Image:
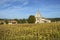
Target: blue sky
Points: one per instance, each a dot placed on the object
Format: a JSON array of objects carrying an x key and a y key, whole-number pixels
[{"x": 12, "y": 9}]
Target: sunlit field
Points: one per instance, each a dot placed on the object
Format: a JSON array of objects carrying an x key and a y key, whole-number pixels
[{"x": 45, "y": 31}]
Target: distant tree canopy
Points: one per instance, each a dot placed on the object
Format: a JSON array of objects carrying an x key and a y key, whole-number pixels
[
  {"x": 6, "y": 21},
  {"x": 18, "y": 21},
  {"x": 54, "y": 19},
  {"x": 21, "y": 20},
  {"x": 31, "y": 19}
]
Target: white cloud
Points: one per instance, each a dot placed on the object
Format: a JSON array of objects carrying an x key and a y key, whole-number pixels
[
  {"x": 25, "y": 3},
  {"x": 9, "y": 3}
]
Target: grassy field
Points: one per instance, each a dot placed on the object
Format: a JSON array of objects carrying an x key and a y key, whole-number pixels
[{"x": 46, "y": 31}]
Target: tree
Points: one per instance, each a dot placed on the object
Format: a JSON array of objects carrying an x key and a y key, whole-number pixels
[
  {"x": 6, "y": 21},
  {"x": 18, "y": 21},
  {"x": 31, "y": 19},
  {"x": 23, "y": 20}
]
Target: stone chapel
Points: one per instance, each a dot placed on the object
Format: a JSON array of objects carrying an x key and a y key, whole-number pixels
[{"x": 40, "y": 19}]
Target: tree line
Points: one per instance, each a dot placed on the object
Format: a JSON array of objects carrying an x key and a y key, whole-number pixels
[
  {"x": 31, "y": 19},
  {"x": 54, "y": 19}
]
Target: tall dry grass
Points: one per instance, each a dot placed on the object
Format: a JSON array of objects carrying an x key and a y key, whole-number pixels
[{"x": 45, "y": 31}]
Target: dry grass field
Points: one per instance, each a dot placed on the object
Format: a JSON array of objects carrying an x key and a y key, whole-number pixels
[{"x": 46, "y": 31}]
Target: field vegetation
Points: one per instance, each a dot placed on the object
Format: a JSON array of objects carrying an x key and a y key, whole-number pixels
[{"x": 45, "y": 31}]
